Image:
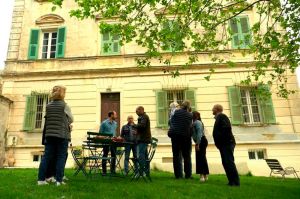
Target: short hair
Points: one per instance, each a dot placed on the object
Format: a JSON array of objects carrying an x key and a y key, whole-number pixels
[
  {"x": 174, "y": 105},
  {"x": 218, "y": 107},
  {"x": 186, "y": 104},
  {"x": 110, "y": 113},
  {"x": 129, "y": 117},
  {"x": 58, "y": 92},
  {"x": 140, "y": 107},
  {"x": 196, "y": 115}
]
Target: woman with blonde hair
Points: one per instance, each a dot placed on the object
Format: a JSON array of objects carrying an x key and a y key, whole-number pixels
[{"x": 57, "y": 131}]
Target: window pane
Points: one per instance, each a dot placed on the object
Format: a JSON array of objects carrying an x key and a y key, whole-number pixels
[
  {"x": 260, "y": 155},
  {"x": 54, "y": 35},
  {"x": 106, "y": 37},
  {"x": 53, "y": 48},
  {"x": 234, "y": 26},
  {"x": 116, "y": 37},
  {"x": 116, "y": 47},
  {"x": 46, "y": 35},
  {"x": 44, "y": 55},
  {"x": 45, "y": 49},
  {"x": 45, "y": 42},
  {"x": 39, "y": 112},
  {"x": 251, "y": 155},
  {"x": 52, "y": 55},
  {"x": 244, "y": 25}
]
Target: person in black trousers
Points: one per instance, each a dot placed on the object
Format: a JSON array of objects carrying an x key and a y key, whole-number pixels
[
  {"x": 225, "y": 142},
  {"x": 180, "y": 133},
  {"x": 200, "y": 147}
]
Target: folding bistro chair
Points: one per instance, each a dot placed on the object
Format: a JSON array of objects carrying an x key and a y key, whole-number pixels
[
  {"x": 146, "y": 169},
  {"x": 276, "y": 168},
  {"x": 79, "y": 159}
]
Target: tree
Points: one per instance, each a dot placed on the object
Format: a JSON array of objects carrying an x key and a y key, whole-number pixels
[{"x": 168, "y": 27}]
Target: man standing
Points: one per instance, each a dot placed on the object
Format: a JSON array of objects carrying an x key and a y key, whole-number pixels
[
  {"x": 180, "y": 133},
  {"x": 128, "y": 132},
  {"x": 225, "y": 142},
  {"x": 109, "y": 127},
  {"x": 144, "y": 138}
]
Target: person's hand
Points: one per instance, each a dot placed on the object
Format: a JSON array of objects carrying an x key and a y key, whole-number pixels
[{"x": 197, "y": 147}]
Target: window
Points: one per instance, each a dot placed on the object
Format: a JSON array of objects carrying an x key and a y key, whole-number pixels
[
  {"x": 49, "y": 45},
  {"x": 53, "y": 44},
  {"x": 35, "y": 111},
  {"x": 172, "y": 37},
  {"x": 257, "y": 154},
  {"x": 110, "y": 44},
  {"x": 163, "y": 100},
  {"x": 37, "y": 158},
  {"x": 240, "y": 30},
  {"x": 248, "y": 108}
]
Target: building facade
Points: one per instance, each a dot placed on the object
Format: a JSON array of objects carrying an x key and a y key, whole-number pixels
[{"x": 50, "y": 48}]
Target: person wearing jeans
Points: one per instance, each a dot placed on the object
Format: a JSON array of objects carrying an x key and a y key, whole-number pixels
[
  {"x": 128, "y": 132},
  {"x": 144, "y": 138},
  {"x": 57, "y": 131}
]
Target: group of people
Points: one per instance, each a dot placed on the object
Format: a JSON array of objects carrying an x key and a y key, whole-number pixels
[
  {"x": 138, "y": 136},
  {"x": 185, "y": 126},
  {"x": 57, "y": 136}
]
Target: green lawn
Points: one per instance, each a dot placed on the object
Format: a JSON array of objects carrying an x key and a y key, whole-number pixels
[{"x": 21, "y": 183}]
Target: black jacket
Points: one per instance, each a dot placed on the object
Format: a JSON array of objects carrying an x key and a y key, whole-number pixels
[
  {"x": 181, "y": 123},
  {"x": 143, "y": 128},
  {"x": 222, "y": 132}
]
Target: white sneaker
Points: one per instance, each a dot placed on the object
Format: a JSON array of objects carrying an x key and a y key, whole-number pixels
[
  {"x": 202, "y": 179},
  {"x": 51, "y": 180},
  {"x": 65, "y": 178},
  {"x": 60, "y": 183},
  {"x": 42, "y": 183}
]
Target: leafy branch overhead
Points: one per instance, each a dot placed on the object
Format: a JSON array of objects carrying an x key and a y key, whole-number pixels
[{"x": 265, "y": 30}]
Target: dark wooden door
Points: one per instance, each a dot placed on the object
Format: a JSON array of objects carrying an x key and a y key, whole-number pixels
[{"x": 110, "y": 102}]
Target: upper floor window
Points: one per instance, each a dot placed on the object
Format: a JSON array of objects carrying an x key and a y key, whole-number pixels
[
  {"x": 172, "y": 39},
  {"x": 35, "y": 111},
  {"x": 49, "y": 45},
  {"x": 248, "y": 108},
  {"x": 240, "y": 29},
  {"x": 165, "y": 97},
  {"x": 110, "y": 44}
]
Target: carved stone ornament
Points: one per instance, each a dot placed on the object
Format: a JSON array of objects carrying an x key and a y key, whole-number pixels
[{"x": 49, "y": 19}]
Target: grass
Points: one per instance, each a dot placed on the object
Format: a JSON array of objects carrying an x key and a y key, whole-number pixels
[{"x": 21, "y": 183}]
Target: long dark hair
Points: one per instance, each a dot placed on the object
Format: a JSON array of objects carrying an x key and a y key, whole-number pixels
[{"x": 197, "y": 116}]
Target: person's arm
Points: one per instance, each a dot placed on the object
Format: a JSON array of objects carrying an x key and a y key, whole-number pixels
[
  {"x": 143, "y": 123},
  {"x": 122, "y": 131},
  {"x": 199, "y": 132},
  {"x": 102, "y": 128},
  {"x": 69, "y": 114}
]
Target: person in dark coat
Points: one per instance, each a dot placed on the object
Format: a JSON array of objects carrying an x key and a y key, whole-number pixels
[
  {"x": 200, "y": 147},
  {"x": 180, "y": 133},
  {"x": 225, "y": 142},
  {"x": 143, "y": 138},
  {"x": 56, "y": 137}
]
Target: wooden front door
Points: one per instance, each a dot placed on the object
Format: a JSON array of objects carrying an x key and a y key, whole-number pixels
[{"x": 110, "y": 102}]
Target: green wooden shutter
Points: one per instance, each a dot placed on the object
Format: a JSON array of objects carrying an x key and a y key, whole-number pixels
[
  {"x": 267, "y": 108},
  {"x": 162, "y": 109},
  {"x": 234, "y": 96},
  {"x": 235, "y": 33},
  {"x": 106, "y": 44},
  {"x": 61, "y": 42},
  {"x": 190, "y": 95},
  {"x": 245, "y": 31},
  {"x": 33, "y": 47},
  {"x": 115, "y": 44},
  {"x": 30, "y": 113}
]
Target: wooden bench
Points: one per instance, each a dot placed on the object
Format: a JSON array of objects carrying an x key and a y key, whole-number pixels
[{"x": 276, "y": 168}]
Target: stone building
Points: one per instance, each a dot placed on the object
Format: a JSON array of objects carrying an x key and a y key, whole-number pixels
[{"x": 47, "y": 49}]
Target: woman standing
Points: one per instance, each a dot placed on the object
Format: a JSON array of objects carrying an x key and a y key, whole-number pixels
[
  {"x": 201, "y": 145},
  {"x": 57, "y": 135}
]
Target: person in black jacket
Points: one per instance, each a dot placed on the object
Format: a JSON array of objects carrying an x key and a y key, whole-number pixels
[
  {"x": 225, "y": 142},
  {"x": 180, "y": 133}
]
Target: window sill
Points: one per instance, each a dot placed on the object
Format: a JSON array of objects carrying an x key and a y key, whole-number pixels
[
  {"x": 33, "y": 131},
  {"x": 254, "y": 125}
]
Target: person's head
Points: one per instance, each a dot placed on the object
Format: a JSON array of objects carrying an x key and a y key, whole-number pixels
[
  {"x": 140, "y": 110},
  {"x": 196, "y": 116},
  {"x": 174, "y": 105},
  {"x": 58, "y": 93},
  {"x": 112, "y": 115},
  {"x": 217, "y": 109},
  {"x": 130, "y": 119},
  {"x": 186, "y": 105}
]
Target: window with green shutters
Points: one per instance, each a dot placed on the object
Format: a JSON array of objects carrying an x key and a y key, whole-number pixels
[
  {"x": 172, "y": 38},
  {"x": 241, "y": 34},
  {"x": 248, "y": 108},
  {"x": 110, "y": 44},
  {"x": 53, "y": 44},
  {"x": 35, "y": 111},
  {"x": 163, "y": 100}
]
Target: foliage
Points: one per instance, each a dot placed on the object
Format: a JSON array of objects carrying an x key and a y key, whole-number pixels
[{"x": 166, "y": 27}]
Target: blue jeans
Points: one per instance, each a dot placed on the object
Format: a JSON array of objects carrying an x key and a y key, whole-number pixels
[
  {"x": 55, "y": 148},
  {"x": 128, "y": 148},
  {"x": 143, "y": 156}
]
